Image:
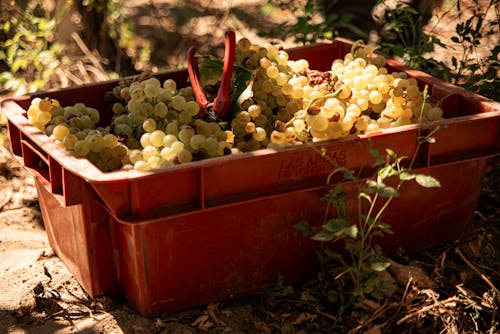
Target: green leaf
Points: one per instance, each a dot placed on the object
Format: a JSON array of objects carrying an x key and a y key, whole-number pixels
[
  {"x": 6, "y": 26},
  {"x": 380, "y": 188},
  {"x": 324, "y": 236},
  {"x": 242, "y": 82},
  {"x": 348, "y": 174},
  {"x": 430, "y": 140},
  {"x": 427, "y": 181},
  {"x": 380, "y": 266},
  {"x": 405, "y": 176},
  {"x": 304, "y": 227},
  {"x": 19, "y": 63},
  {"x": 210, "y": 70},
  {"x": 374, "y": 153},
  {"x": 45, "y": 24},
  {"x": 365, "y": 196},
  {"x": 386, "y": 171},
  {"x": 335, "y": 225},
  {"x": 391, "y": 153}
]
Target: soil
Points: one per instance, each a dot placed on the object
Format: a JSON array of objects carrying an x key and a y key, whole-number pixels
[{"x": 454, "y": 287}]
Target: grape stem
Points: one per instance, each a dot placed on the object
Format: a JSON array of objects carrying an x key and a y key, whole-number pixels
[
  {"x": 355, "y": 46},
  {"x": 313, "y": 101}
]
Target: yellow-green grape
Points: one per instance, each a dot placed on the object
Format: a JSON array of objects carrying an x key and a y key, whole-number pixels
[
  {"x": 376, "y": 97},
  {"x": 434, "y": 114},
  {"x": 383, "y": 122},
  {"x": 43, "y": 117},
  {"x": 135, "y": 155},
  {"x": 137, "y": 94},
  {"x": 161, "y": 110},
  {"x": 197, "y": 141},
  {"x": 272, "y": 72},
  {"x": 141, "y": 166},
  {"x": 156, "y": 138},
  {"x": 254, "y": 111},
  {"x": 372, "y": 127},
  {"x": 145, "y": 139},
  {"x": 177, "y": 147},
  {"x": 362, "y": 123},
  {"x": 278, "y": 137},
  {"x": 149, "y": 125},
  {"x": 154, "y": 162},
  {"x": 172, "y": 128},
  {"x": 212, "y": 147},
  {"x": 60, "y": 131},
  {"x": 192, "y": 108},
  {"x": 81, "y": 148},
  {"x": 259, "y": 134},
  {"x": 149, "y": 151},
  {"x": 250, "y": 127},
  {"x": 45, "y": 105},
  {"x": 334, "y": 130},
  {"x": 299, "y": 125},
  {"x": 95, "y": 141},
  {"x": 243, "y": 44},
  {"x": 178, "y": 102},
  {"x": 168, "y": 140},
  {"x": 69, "y": 141},
  {"x": 185, "y": 156},
  {"x": 123, "y": 130},
  {"x": 185, "y": 134},
  {"x": 167, "y": 153}
]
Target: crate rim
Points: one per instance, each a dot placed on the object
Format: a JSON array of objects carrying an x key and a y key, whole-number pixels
[{"x": 93, "y": 174}]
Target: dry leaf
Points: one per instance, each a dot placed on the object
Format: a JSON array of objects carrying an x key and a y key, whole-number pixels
[
  {"x": 402, "y": 274},
  {"x": 203, "y": 322}
]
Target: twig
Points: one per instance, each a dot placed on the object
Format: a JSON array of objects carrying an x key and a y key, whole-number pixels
[
  {"x": 73, "y": 77},
  {"x": 446, "y": 303},
  {"x": 316, "y": 309},
  {"x": 63, "y": 79},
  {"x": 83, "y": 72},
  {"x": 87, "y": 52},
  {"x": 486, "y": 279},
  {"x": 99, "y": 75}
]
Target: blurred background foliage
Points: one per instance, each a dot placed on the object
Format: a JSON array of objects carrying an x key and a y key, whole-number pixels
[{"x": 60, "y": 43}]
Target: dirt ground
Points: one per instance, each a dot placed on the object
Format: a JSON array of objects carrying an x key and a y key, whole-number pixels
[{"x": 39, "y": 295}]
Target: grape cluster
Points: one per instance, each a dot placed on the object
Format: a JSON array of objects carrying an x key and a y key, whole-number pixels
[
  {"x": 75, "y": 128},
  {"x": 159, "y": 124},
  {"x": 292, "y": 103},
  {"x": 156, "y": 125}
]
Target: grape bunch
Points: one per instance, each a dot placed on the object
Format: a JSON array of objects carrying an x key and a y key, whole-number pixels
[
  {"x": 157, "y": 125},
  {"x": 292, "y": 103},
  {"x": 75, "y": 128}
]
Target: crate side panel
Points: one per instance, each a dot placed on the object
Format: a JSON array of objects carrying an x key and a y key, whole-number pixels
[
  {"x": 81, "y": 239},
  {"x": 196, "y": 258},
  {"x": 233, "y": 250}
]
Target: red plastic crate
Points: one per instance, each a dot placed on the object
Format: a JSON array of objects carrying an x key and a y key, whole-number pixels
[
  {"x": 80, "y": 236},
  {"x": 177, "y": 261},
  {"x": 283, "y": 187}
]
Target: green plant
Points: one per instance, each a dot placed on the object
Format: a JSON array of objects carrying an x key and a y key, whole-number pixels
[
  {"x": 407, "y": 37},
  {"x": 115, "y": 33},
  {"x": 31, "y": 57},
  {"x": 404, "y": 37},
  {"x": 28, "y": 52},
  {"x": 474, "y": 73},
  {"x": 360, "y": 258},
  {"x": 311, "y": 26}
]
